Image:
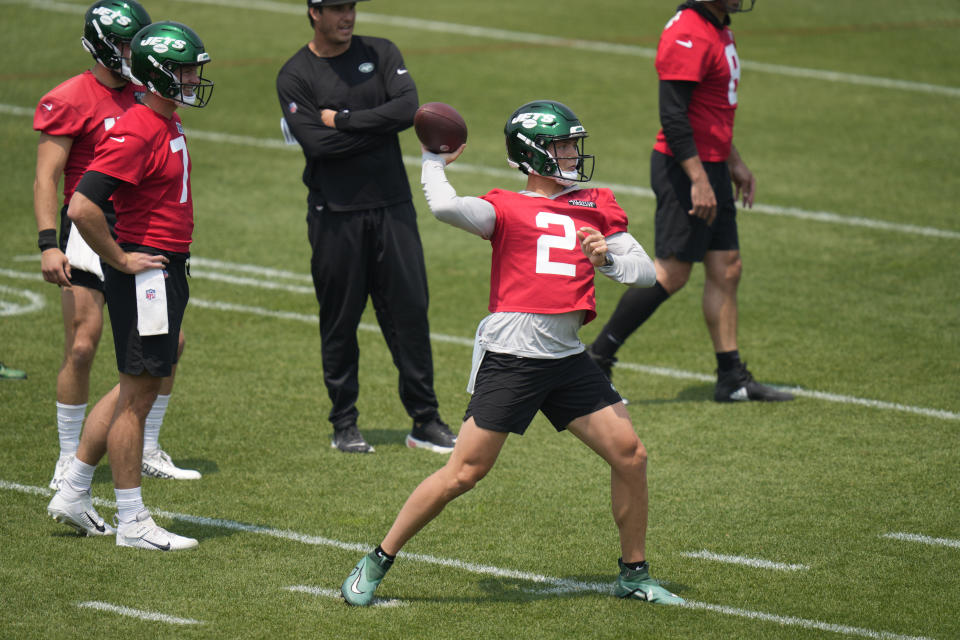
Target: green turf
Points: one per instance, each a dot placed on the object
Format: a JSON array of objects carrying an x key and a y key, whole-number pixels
[{"x": 867, "y": 316}]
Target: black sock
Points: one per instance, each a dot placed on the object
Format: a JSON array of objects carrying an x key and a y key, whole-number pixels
[
  {"x": 635, "y": 306},
  {"x": 636, "y": 566},
  {"x": 383, "y": 554},
  {"x": 728, "y": 360}
]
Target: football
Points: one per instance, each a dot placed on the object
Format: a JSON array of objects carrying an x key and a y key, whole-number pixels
[{"x": 439, "y": 127}]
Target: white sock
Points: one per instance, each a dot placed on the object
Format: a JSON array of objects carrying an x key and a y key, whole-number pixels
[
  {"x": 129, "y": 504},
  {"x": 77, "y": 479},
  {"x": 151, "y": 429},
  {"x": 69, "y": 425}
]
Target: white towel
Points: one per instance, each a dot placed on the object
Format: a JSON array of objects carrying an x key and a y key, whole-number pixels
[
  {"x": 81, "y": 256},
  {"x": 152, "y": 303}
]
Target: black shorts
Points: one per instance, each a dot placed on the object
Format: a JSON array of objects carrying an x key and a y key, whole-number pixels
[
  {"x": 679, "y": 234},
  {"x": 85, "y": 279},
  {"x": 509, "y": 390},
  {"x": 137, "y": 354},
  {"x": 79, "y": 277}
]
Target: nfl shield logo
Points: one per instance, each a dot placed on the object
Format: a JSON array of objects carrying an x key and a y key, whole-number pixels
[
  {"x": 151, "y": 294},
  {"x": 292, "y": 107}
]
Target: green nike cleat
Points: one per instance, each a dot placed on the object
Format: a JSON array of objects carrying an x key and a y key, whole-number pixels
[
  {"x": 638, "y": 585},
  {"x": 359, "y": 586},
  {"x": 6, "y": 373}
]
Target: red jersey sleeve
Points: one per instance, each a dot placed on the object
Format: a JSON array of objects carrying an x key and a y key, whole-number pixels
[
  {"x": 123, "y": 155},
  {"x": 56, "y": 117}
]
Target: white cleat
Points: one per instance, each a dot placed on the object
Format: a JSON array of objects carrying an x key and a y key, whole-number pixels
[
  {"x": 63, "y": 463},
  {"x": 144, "y": 533},
  {"x": 79, "y": 514},
  {"x": 157, "y": 464}
]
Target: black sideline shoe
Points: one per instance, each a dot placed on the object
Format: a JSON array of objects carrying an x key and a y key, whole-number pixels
[
  {"x": 349, "y": 440},
  {"x": 433, "y": 435}
]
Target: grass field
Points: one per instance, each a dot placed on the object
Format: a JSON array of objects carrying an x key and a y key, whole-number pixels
[{"x": 835, "y": 515}]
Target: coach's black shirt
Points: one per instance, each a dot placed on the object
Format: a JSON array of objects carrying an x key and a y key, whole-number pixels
[{"x": 359, "y": 164}]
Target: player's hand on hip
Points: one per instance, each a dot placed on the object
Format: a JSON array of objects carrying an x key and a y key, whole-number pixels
[
  {"x": 593, "y": 245},
  {"x": 136, "y": 262},
  {"x": 55, "y": 267}
]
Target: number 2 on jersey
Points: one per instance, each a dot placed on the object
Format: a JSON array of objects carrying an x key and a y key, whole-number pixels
[{"x": 546, "y": 242}]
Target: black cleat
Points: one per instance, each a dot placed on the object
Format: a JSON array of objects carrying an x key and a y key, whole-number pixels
[{"x": 738, "y": 385}]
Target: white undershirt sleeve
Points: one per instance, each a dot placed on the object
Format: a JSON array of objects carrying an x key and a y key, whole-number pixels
[
  {"x": 631, "y": 264},
  {"x": 469, "y": 213}
]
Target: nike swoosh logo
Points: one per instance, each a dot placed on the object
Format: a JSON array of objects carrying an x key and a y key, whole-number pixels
[
  {"x": 120, "y": 139},
  {"x": 353, "y": 587},
  {"x": 740, "y": 394},
  {"x": 46, "y": 106},
  {"x": 164, "y": 547},
  {"x": 98, "y": 527},
  {"x": 685, "y": 43},
  {"x": 400, "y": 72}
]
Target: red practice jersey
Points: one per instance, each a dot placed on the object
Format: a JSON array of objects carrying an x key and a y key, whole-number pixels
[
  {"x": 537, "y": 264},
  {"x": 83, "y": 109},
  {"x": 692, "y": 49},
  {"x": 149, "y": 154}
]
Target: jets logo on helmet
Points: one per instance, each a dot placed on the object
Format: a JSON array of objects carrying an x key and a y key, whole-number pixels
[
  {"x": 164, "y": 56},
  {"x": 107, "y": 26},
  {"x": 530, "y": 133},
  {"x": 109, "y": 16},
  {"x": 162, "y": 45}
]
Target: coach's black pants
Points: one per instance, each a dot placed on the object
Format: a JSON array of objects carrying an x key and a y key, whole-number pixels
[{"x": 375, "y": 253}]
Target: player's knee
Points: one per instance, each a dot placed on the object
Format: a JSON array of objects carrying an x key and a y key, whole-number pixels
[
  {"x": 673, "y": 279},
  {"x": 81, "y": 352},
  {"x": 734, "y": 271},
  {"x": 466, "y": 478},
  {"x": 639, "y": 457},
  {"x": 633, "y": 458}
]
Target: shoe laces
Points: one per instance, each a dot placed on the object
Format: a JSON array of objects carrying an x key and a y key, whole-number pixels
[
  {"x": 435, "y": 425},
  {"x": 739, "y": 372}
]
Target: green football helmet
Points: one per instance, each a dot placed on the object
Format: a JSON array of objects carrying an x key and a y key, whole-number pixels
[
  {"x": 107, "y": 25},
  {"x": 531, "y": 130},
  {"x": 159, "y": 54},
  {"x": 734, "y": 7}
]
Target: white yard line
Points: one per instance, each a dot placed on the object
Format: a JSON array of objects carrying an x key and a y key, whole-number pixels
[
  {"x": 757, "y": 563},
  {"x": 577, "y": 44},
  {"x": 211, "y": 270},
  {"x": 658, "y": 371},
  {"x": 915, "y": 537},
  {"x": 136, "y": 613},
  {"x": 643, "y": 192},
  {"x": 561, "y": 584},
  {"x": 334, "y": 594}
]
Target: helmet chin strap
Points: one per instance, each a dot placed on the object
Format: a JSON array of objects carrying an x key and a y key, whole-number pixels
[
  {"x": 127, "y": 73},
  {"x": 566, "y": 178}
]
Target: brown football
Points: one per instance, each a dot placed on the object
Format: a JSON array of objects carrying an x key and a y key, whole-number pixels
[{"x": 439, "y": 127}]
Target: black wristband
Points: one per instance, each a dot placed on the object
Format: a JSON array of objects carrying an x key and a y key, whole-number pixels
[{"x": 47, "y": 239}]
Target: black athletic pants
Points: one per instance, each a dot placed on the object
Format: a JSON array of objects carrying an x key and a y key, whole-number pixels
[{"x": 375, "y": 253}]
